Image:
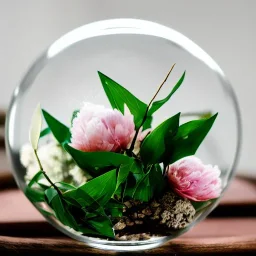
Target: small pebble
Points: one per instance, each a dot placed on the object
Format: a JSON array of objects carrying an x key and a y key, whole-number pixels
[
  {"x": 128, "y": 204},
  {"x": 141, "y": 215},
  {"x": 147, "y": 211},
  {"x": 119, "y": 225}
]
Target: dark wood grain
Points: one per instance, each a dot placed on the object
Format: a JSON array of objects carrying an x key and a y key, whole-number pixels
[
  {"x": 2, "y": 143},
  {"x": 6, "y": 180},
  {"x": 2, "y": 117},
  {"x": 2, "y": 122},
  {"x": 211, "y": 227},
  {"x": 184, "y": 246}
]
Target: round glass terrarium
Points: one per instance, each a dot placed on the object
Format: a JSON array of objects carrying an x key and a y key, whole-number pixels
[{"x": 137, "y": 54}]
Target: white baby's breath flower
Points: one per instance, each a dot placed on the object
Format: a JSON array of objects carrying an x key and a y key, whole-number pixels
[
  {"x": 27, "y": 156},
  {"x": 79, "y": 176},
  {"x": 57, "y": 163}
]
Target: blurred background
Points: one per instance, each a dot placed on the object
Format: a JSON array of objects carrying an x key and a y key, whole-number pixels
[{"x": 223, "y": 28}]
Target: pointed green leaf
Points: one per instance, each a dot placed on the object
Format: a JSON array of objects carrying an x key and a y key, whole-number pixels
[
  {"x": 134, "y": 177},
  {"x": 100, "y": 189},
  {"x": 34, "y": 194},
  {"x": 39, "y": 175},
  {"x": 157, "y": 180},
  {"x": 158, "y": 104},
  {"x": 35, "y": 127},
  {"x": 59, "y": 130},
  {"x": 50, "y": 193},
  {"x": 102, "y": 225},
  {"x": 148, "y": 122},
  {"x": 45, "y": 132},
  {"x": 132, "y": 167},
  {"x": 153, "y": 147},
  {"x": 114, "y": 208},
  {"x": 143, "y": 190},
  {"x": 118, "y": 96},
  {"x": 79, "y": 198},
  {"x": 123, "y": 174},
  {"x": 188, "y": 138},
  {"x": 60, "y": 208},
  {"x": 92, "y": 161},
  {"x": 64, "y": 186},
  {"x": 152, "y": 184}
]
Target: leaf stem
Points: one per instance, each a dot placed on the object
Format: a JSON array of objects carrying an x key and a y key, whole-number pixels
[
  {"x": 45, "y": 175},
  {"x": 146, "y": 113}
]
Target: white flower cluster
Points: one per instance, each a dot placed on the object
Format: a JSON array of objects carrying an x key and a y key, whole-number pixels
[{"x": 57, "y": 163}]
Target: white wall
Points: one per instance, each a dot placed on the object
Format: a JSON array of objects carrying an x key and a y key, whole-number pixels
[{"x": 224, "y": 28}]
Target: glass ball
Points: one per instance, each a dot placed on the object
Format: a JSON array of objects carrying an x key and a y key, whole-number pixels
[{"x": 138, "y": 54}]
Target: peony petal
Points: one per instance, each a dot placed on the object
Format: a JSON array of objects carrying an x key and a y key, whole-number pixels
[
  {"x": 97, "y": 128},
  {"x": 191, "y": 179}
]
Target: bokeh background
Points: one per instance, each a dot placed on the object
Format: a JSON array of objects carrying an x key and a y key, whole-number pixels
[{"x": 224, "y": 28}]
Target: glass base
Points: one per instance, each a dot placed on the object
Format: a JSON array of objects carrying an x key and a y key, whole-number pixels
[
  {"x": 103, "y": 244},
  {"x": 125, "y": 247}
]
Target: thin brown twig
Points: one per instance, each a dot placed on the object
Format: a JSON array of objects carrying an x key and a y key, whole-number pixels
[
  {"x": 146, "y": 113},
  {"x": 160, "y": 86}
]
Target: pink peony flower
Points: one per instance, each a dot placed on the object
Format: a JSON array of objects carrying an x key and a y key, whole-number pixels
[
  {"x": 97, "y": 128},
  {"x": 191, "y": 179}
]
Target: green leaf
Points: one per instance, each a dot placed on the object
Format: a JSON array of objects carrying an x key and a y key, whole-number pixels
[
  {"x": 157, "y": 180},
  {"x": 114, "y": 208},
  {"x": 102, "y": 225},
  {"x": 158, "y": 104},
  {"x": 125, "y": 169},
  {"x": 135, "y": 175},
  {"x": 143, "y": 191},
  {"x": 199, "y": 206},
  {"x": 60, "y": 208},
  {"x": 34, "y": 195},
  {"x": 188, "y": 138},
  {"x": 81, "y": 199},
  {"x": 64, "y": 186},
  {"x": 35, "y": 127},
  {"x": 50, "y": 194},
  {"x": 59, "y": 130},
  {"x": 118, "y": 96},
  {"x": 39, "y": 175},
  {"x": 100, "y": 189},
  {"x": 147, "y": 123},
  {"x": 45, "y": 132},
  {"x": 92, "y": 161},
  {"x": 74, "y": 115},
  {"x": 123, "y": 173},
  {"x": 153, "y": 147}
]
